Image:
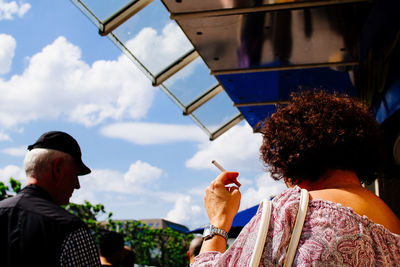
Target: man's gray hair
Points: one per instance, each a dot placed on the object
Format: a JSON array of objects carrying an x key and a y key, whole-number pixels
[{"x": 38, "y": 160}]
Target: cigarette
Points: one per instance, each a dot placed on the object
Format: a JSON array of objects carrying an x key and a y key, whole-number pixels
[{"x": 218, "y": 166}]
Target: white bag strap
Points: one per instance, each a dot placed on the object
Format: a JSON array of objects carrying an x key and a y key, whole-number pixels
[
  {"x": 264, "y": 225},
  {"x": 298, "y": 227},
  {"x": 262, "y": 233}
]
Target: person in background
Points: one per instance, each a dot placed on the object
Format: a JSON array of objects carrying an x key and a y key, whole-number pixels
[
  {"x": 328, "y": 144},
  {"x": 129, "y": 257},
  {"x": 194, "y": 248},
  {"x": 34, "y": 229},
  {"x": 111, "y": 247}
]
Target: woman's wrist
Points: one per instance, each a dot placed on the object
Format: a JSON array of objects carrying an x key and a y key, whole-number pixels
[
  {"x": 224, "y": 225},
  {"x": 216, "y": 243},
  {"x": 217, "y": 237}
]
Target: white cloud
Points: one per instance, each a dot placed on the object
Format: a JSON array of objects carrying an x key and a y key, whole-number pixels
[
  {"x": 185, "y": 211},
  {"x": 12, "y": 171},
  {"x": 10, "y": 9},
  {"x": 59, "y": 84},
  {"x": 7, "y": 48},
  {"x": 153, "y": 133},
  {"x": 140, "y": 178},
  {"x": 138, "y": 187},
  {"x": 4, "y": 136},
  {"x": 79, "y": 197},
  {"x": 15, "y": 151},
  {"x": 265, "y": 187},
  {"x": 245, "y": 182},
  {"x": 237, "y": 149},
  {"x": 198, "y": 191},
  {"x": 142, "y": 173},
  {"x": 157, "y": 51}
]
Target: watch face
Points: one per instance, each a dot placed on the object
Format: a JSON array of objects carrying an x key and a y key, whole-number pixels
[
  {"x": 207, "y": 231},
  {"x": 210, "y": 231}
]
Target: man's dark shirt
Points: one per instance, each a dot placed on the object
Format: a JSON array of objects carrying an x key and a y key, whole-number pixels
[{"x": 34, "y": 231}]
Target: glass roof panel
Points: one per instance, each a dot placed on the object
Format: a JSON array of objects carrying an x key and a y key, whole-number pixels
[
  {"x": 153, "y": 45},
  {"x": 105, "y": 8},
  {"x": 191, "y": 82},
  {"x": 156, "y": 43},
  {"x": 216, "y": 112}
]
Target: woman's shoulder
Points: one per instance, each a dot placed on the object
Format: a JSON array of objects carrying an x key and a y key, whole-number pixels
[
  {"x": 285, "y": 206},
  {"x": 287, "y": 201},
  {"x": 329, "y": 229},
  {"x": 361, "y": 203},
  {"x": 333, "y": 212},
  {"x": 289, "y": 195}
]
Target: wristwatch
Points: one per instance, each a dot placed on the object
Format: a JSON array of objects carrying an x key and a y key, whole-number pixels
[{"x": 210, "y": 230}]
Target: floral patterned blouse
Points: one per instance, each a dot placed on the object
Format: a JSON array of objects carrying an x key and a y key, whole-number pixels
[{"x": 332, "y": 235}]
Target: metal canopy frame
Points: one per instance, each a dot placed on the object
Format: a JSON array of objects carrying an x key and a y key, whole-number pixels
[
  {"x": 263, "y": 8},
  {"x": 122, "y": 15},
  {"x": 274, "y": 71},
  {"x": 202, "y": 99},
  {"x": 226, "y": 127},
  {"x": 198, "y": 24},
  {"x": 176, "y": 66},
  {"x": 291, "y": 67},
  {"x": 266, "y": 103}
]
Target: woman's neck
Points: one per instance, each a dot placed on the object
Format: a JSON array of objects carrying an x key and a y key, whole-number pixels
[{"x": 333, "y": 179}]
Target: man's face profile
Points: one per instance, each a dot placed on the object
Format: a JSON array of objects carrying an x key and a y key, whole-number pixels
[{"x": 67, "y": 180}]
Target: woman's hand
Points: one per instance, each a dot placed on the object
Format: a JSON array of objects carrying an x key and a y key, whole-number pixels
[{"x": 222, "y": 201}]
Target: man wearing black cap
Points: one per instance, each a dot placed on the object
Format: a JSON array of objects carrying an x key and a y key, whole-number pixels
[{"x": 34, "y": 230}]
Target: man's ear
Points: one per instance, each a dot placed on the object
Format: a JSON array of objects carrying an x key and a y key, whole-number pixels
[{"x": 56, "y": 168}]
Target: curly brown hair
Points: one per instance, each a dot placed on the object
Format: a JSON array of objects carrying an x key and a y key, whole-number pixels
[{"x": 317, "y": 132}]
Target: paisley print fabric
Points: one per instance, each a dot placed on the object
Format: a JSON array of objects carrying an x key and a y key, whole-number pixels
[{"x": 332, "y": 235}]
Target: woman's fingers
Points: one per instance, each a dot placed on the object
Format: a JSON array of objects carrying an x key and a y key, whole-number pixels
[
  {"x": 232, "y": 188},
  {"x": 226, "y": 178},
  {"x": 222, "y": 200}
]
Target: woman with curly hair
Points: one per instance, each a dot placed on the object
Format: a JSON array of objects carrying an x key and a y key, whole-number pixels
[{"x": 329, "y": 145}]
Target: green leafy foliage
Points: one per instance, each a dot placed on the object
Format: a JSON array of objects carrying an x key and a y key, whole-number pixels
[
  {"x": 13, "y": 188},
  {"x": 154, "y": 247},
  {"x": 15, "y": 185}
]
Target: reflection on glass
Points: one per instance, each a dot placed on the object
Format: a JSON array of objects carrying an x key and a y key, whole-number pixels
[
  {"x": 155, "y": 42},
  {"x": 105, "y": 8},
  {"x": 191, "y": 82},
  {"x": 216, "y": 112}
]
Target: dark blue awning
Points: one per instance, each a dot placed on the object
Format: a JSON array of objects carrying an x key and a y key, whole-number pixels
[{"x": 239, "y": 221}]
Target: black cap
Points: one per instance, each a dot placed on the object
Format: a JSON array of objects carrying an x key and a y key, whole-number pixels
[{"x": 62, "y": 142}]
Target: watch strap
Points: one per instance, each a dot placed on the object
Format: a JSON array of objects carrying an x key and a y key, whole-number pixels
[{"x": 210, "y": 231}]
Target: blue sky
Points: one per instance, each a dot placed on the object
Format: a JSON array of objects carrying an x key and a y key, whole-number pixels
[{"x": 147, "y": 160}]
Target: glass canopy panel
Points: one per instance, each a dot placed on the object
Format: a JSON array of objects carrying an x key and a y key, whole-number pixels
[
  {"x": 216, "y": 112},
  {"x": 191, "y": 82},
  {"x": 153, "y": 38},
  {"x": 104, "y": 8},
  {"x": 88, "y": 13},
  {"x": 153, "y": 45}
]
